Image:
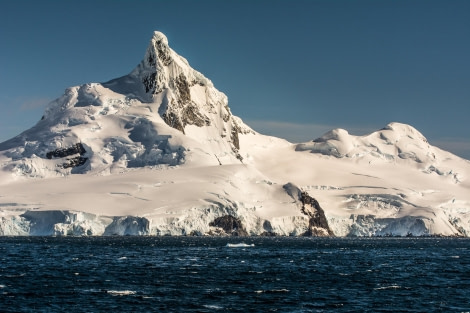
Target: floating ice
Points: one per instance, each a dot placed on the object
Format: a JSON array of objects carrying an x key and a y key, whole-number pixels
[
  {"x": 121, "y": 292},
  {"x": 239, "y": 245}
]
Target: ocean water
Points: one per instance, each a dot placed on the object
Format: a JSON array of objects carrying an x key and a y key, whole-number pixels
[{"x": 193, "y": 274}]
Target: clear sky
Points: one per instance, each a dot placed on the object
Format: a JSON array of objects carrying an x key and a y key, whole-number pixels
[{"x": 293, "y": 69}]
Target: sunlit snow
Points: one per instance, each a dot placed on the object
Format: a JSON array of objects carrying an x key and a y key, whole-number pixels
[{"x": 158, "y": 152}]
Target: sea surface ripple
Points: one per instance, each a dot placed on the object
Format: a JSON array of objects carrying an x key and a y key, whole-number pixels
[{"x": 206, "y": 274}]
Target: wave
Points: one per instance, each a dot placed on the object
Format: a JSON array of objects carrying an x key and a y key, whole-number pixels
[{"x": 388, "y": 287}]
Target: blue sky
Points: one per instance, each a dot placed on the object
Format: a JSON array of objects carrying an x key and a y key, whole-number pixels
[{"x": 293, "y": 69}]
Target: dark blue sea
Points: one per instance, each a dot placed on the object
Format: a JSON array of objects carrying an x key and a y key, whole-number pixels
[{"x": 193, "y": 274}]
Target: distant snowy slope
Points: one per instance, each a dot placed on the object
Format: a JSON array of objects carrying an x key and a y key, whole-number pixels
[
  {"x": 395, "y": 143},
  {"x": 160, "y": 153},
  {"x": 390, "y": 182}
]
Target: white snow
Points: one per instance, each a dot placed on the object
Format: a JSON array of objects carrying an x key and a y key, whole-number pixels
[
  {"x": 144, "y": 177},
  {"x": 240, "y": 245}
]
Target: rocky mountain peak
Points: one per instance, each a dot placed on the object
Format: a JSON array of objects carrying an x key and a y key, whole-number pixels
[
  {"x": 187, "y": 97},
  {"x": 163, "y": 112},
  {"x": 162, "y": 68},
  {"x": 160, "y": 37},
  {"x": 158, "y": 51}
]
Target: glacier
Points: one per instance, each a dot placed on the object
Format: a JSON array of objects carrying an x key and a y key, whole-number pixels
[{"x": 159, "y": 152}]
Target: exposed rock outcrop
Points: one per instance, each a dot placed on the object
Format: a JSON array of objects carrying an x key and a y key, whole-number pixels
[
  {"x": 230, "y": 225},
  {"x": 318, "y": 224},
  {"x": 65, "y": 152}
]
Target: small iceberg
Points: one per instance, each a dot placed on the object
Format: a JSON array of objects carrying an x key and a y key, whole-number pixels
[
  {"x": 121, "y": 292},
  {"x": 239, "y": 245}
]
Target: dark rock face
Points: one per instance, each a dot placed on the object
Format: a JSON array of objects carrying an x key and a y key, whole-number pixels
[
  {"x": 149, "y": 82},
  {"x": 182, "y": 86},
  {"x": 318, "y": 221},
  {"x": 192, "y": 116},
  {"x": 163, "y": 52},
  {"x": 236, "y": 142},
  {"x": 159, "y": 55},
  {"x": 173, "y": 120},
  {"x": 65, "y": 152},
  {"x": 183, "y": 111},
  {"x": 234, "y": 137},
  {"x": 231, "y": 225},
  {"x": 318, "y": 224}
]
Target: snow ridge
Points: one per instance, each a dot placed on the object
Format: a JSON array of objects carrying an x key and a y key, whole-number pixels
[{"x": 394, "y": 141}]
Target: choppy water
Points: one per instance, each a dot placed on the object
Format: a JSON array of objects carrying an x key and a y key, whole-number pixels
[{"x": 186, "y": 274}]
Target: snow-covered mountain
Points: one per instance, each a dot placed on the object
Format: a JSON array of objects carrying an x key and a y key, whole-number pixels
[
  {"x": 159, "y": 152},
  {"x": 163, "y": 112}
]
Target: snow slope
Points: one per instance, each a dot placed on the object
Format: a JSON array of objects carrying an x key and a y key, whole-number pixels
[
  {"x": 391, "y": 182},
  {"x": 158, "y": 152}
]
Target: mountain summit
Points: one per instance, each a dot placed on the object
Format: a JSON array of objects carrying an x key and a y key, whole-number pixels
[
  {"x": 160, "y": 153},
  {"x": 163, "y": 112},
  {"x": 186, "y": 96}
]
